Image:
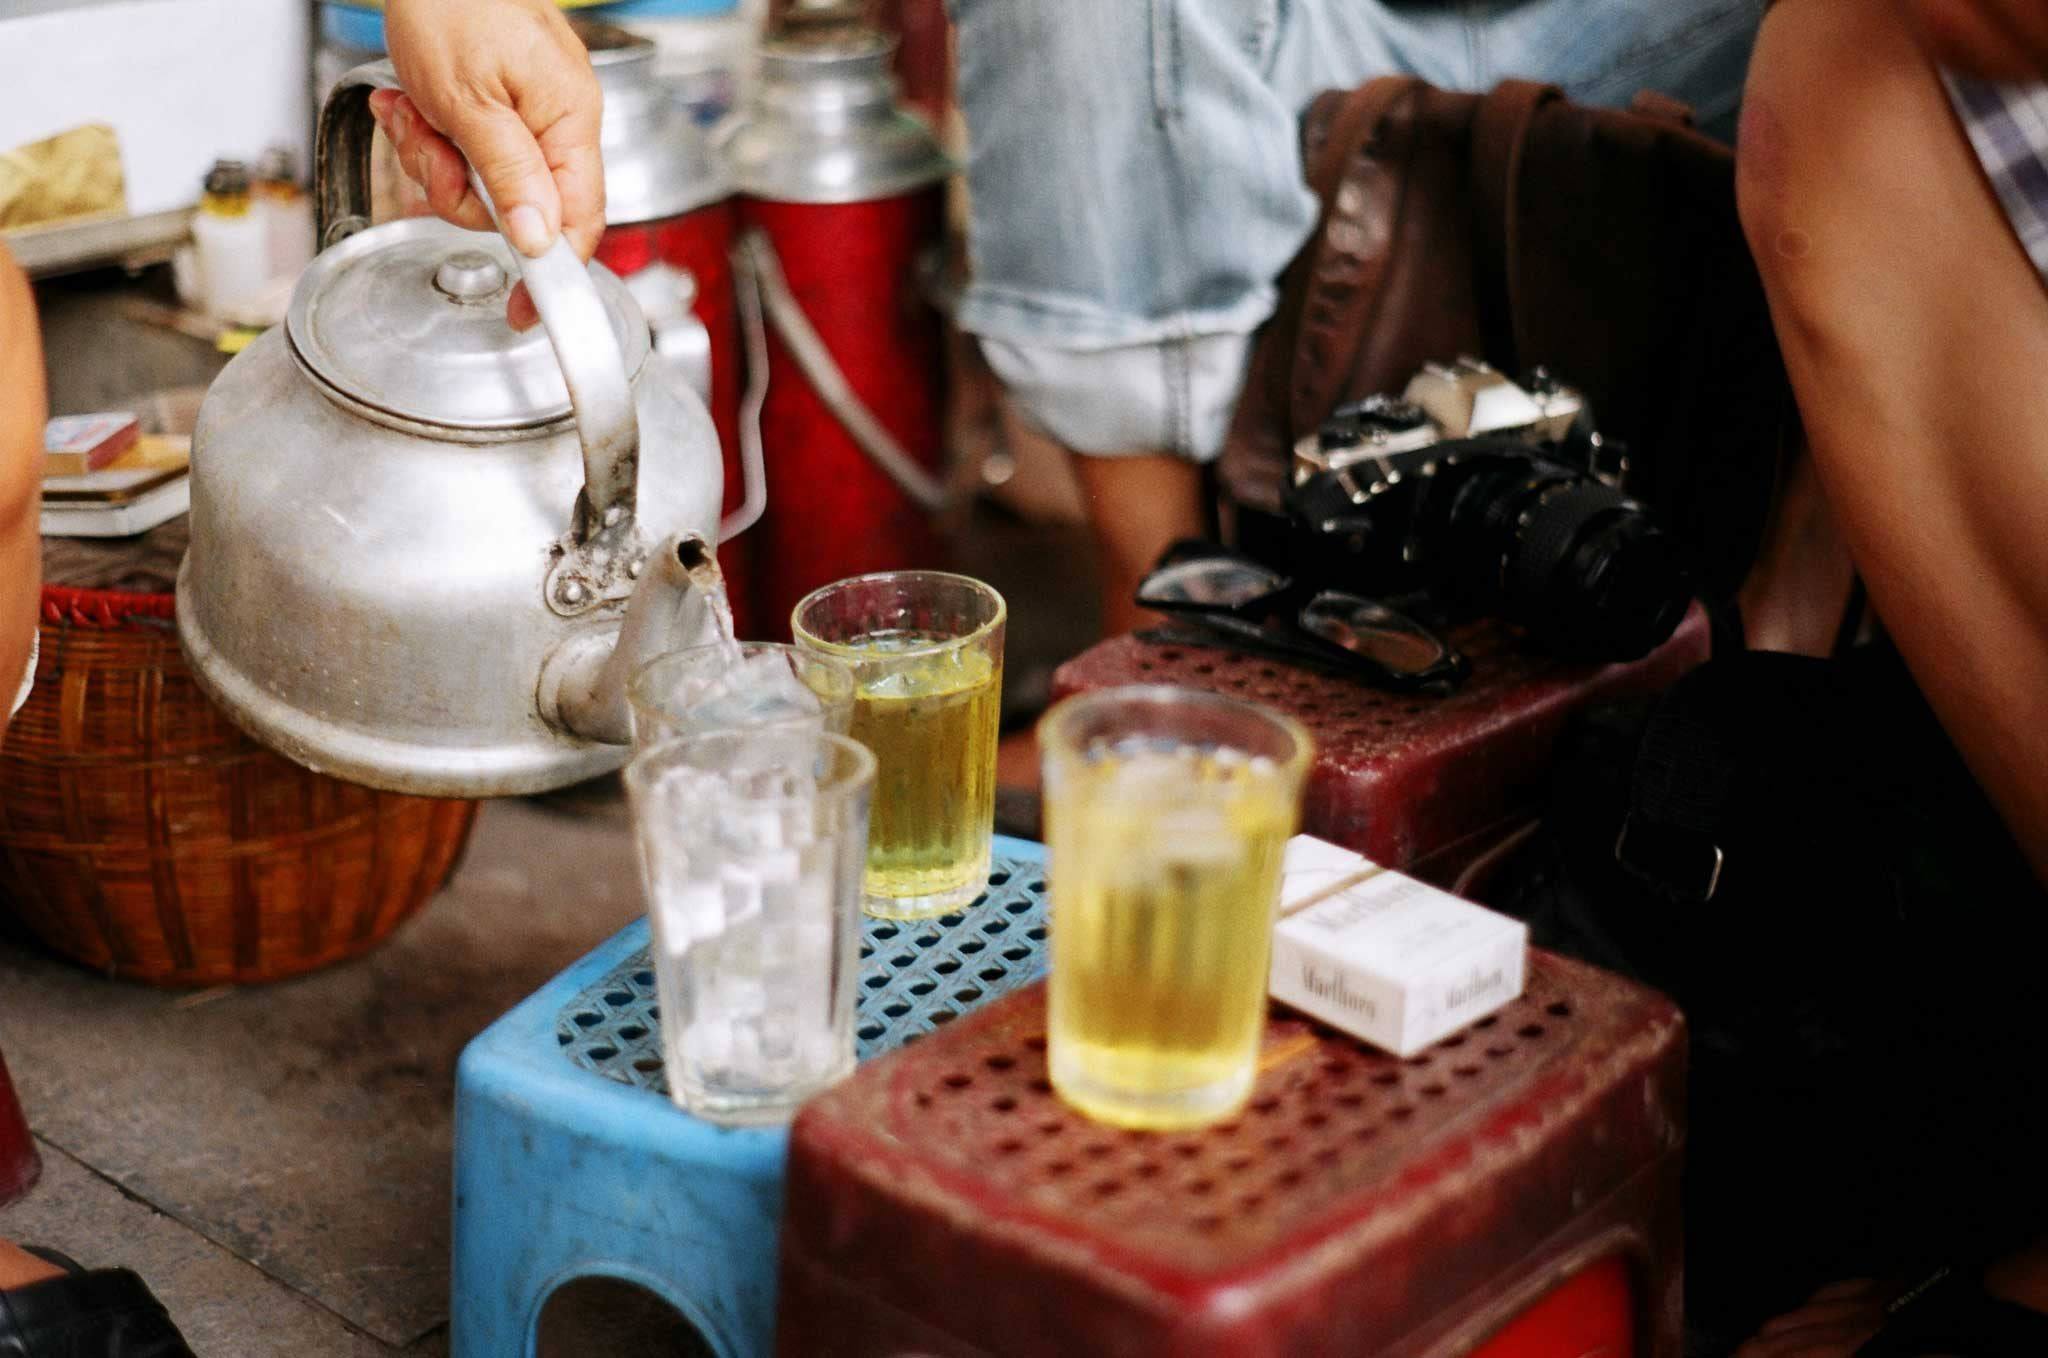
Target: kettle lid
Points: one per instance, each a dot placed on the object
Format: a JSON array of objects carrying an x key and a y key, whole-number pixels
[{"x": 408, "y": 320}]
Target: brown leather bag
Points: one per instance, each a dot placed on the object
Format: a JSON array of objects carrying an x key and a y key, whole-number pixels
[{"x": 1522, "y": 228}]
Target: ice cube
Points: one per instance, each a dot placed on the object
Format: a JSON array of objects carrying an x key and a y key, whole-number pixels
[
  {"x": 811, "y": 990},
  {"x": 709, "y": 1047},
  {"x": 688, "y": 911},
  {"x": 1195, "y": 834},
  {"x": 782, "y": 889},
  {"x": 737, "y": 980},
  {"x": 741, "y": 890},
  {"x": 746, "y": 1051},
  {"x": 778, "y": 1038},
  {"x": 769, "y": 677},
  {"x": 761, "y": 690},
  {"x": 896, "y": 684},
  {"x": 780, "y": 914},
  {"x": 818, "y": 1052}
]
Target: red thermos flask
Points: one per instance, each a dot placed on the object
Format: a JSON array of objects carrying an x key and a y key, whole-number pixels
[{"x": 841, "y": 192}]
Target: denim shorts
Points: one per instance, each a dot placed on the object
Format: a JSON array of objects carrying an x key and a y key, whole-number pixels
[{"x": 1136, "y": 184}]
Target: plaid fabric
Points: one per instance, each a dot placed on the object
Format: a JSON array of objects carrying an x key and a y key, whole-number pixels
[{"x": 2008, "y": 126}]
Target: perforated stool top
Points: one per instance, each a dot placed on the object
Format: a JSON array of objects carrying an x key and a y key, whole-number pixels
[
  {"x": 916, "y": 975},
  {"x": 1361, "y": 1204},
  {"x": 1399, "y": 777},
  {"x": 571, "y": 1162}
]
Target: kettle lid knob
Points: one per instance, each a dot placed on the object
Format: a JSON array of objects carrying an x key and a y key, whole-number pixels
[{"x": 470, "y": 276}]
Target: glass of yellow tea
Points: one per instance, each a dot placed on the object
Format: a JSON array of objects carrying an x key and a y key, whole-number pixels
[
  {"x": 926, "y": 651},
  {"x": 1167, "y": 816}
]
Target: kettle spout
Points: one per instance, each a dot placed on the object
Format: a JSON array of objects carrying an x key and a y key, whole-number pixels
[{"x": 583, "y": 685}]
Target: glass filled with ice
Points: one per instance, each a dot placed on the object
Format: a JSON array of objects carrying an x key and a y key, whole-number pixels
[
  {"x": 1167, "y": 817},
  {"x": 752, "y": 845},
  {"x": 730, "y": 686},
  {"x": 926, "y": 651}
]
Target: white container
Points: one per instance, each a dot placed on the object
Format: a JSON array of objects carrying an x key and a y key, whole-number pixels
[
  {"x": 233, "y": 254},
  {"x": 1390, "y": 960}
]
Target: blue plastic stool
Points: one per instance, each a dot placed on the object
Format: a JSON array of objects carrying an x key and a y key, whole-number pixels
[{"x": 570, "y": 1161}]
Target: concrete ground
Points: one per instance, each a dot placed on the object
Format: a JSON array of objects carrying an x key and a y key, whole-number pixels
[{"x": 275, "y": 1160}]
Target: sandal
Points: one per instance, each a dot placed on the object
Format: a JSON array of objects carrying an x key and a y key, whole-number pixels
[{"x": 87, "y": 1313}]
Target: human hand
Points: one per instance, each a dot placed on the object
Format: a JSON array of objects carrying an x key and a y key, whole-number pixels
[
  {"x": 508, "y": 83},
  {"x": 1834, "y": 1323},
  {"x": 1994, "y": 39}
]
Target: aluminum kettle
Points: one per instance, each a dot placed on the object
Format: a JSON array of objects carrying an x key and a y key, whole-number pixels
[{"x": 415, "y": 532}]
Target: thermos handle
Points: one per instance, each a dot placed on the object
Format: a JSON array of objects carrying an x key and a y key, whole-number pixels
[
  {"x": 570, "y": 307},
  {"x": 759, "y": 269}
]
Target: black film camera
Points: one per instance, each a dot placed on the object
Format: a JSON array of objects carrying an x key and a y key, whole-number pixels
[{"x": 1493, "y": 499}]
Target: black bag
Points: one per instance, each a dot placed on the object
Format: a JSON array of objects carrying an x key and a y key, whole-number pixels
[{"x": 1792, "y": 850}]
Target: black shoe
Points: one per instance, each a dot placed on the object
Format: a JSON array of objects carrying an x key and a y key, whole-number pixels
[{"x": 97, "y": 1313}]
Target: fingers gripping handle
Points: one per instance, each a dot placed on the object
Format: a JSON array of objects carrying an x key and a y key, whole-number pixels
[{"x": 571, "y": 309}]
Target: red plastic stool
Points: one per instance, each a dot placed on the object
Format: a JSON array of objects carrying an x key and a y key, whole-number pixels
[
  {"x": 1405, "y": 778},
  {"x": 18, "y": 1163},
  {"x": 1511, "y": 1193}
]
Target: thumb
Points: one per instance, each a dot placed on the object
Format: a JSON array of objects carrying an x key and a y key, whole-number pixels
[{"x": 515, "y": 173}]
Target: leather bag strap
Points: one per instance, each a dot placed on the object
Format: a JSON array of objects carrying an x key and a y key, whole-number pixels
[
  {"x": 1500, "y": 133},
  {"x": 1662, "y": 107},
  {"x": 1363, "y": 175}
]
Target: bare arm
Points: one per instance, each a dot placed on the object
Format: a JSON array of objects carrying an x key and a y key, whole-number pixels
[
  {"x": 21, "y": 445},
  {"x": 1916, "y": 333}
]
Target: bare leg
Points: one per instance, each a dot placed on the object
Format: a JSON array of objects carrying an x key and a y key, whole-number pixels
[
  {"x": 19, "y": 1268},
  {"x": 1138, "y": 507},
  {"x": 1916, "y": 334}
]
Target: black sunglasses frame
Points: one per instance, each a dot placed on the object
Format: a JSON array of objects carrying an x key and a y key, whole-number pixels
[{"x": 1271, "y": 623}]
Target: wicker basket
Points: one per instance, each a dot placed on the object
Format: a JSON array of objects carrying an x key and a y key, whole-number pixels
[{"x": 143, "y": 834}]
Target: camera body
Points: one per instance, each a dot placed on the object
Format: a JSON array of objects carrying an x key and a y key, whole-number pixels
[
  {"x": 1491, "y": 498},
  {"x": 1446, "y": 402}
]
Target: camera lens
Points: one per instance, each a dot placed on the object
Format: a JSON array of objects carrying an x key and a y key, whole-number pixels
[{"x": 1578, "y": 563}]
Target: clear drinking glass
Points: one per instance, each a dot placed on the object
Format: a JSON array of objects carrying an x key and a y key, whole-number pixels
[
  {"x": 1167, "y": 813},
  {"x": 751, "y": 851},
  {"x": 701, "y": 689},
  {"x": 926, "y": 650}
]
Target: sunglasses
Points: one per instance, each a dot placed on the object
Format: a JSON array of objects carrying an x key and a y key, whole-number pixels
[{"x": 1263, "y": 610}]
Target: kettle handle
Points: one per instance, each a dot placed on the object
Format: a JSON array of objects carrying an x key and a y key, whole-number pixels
[{"x": 571, "y": 311}]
